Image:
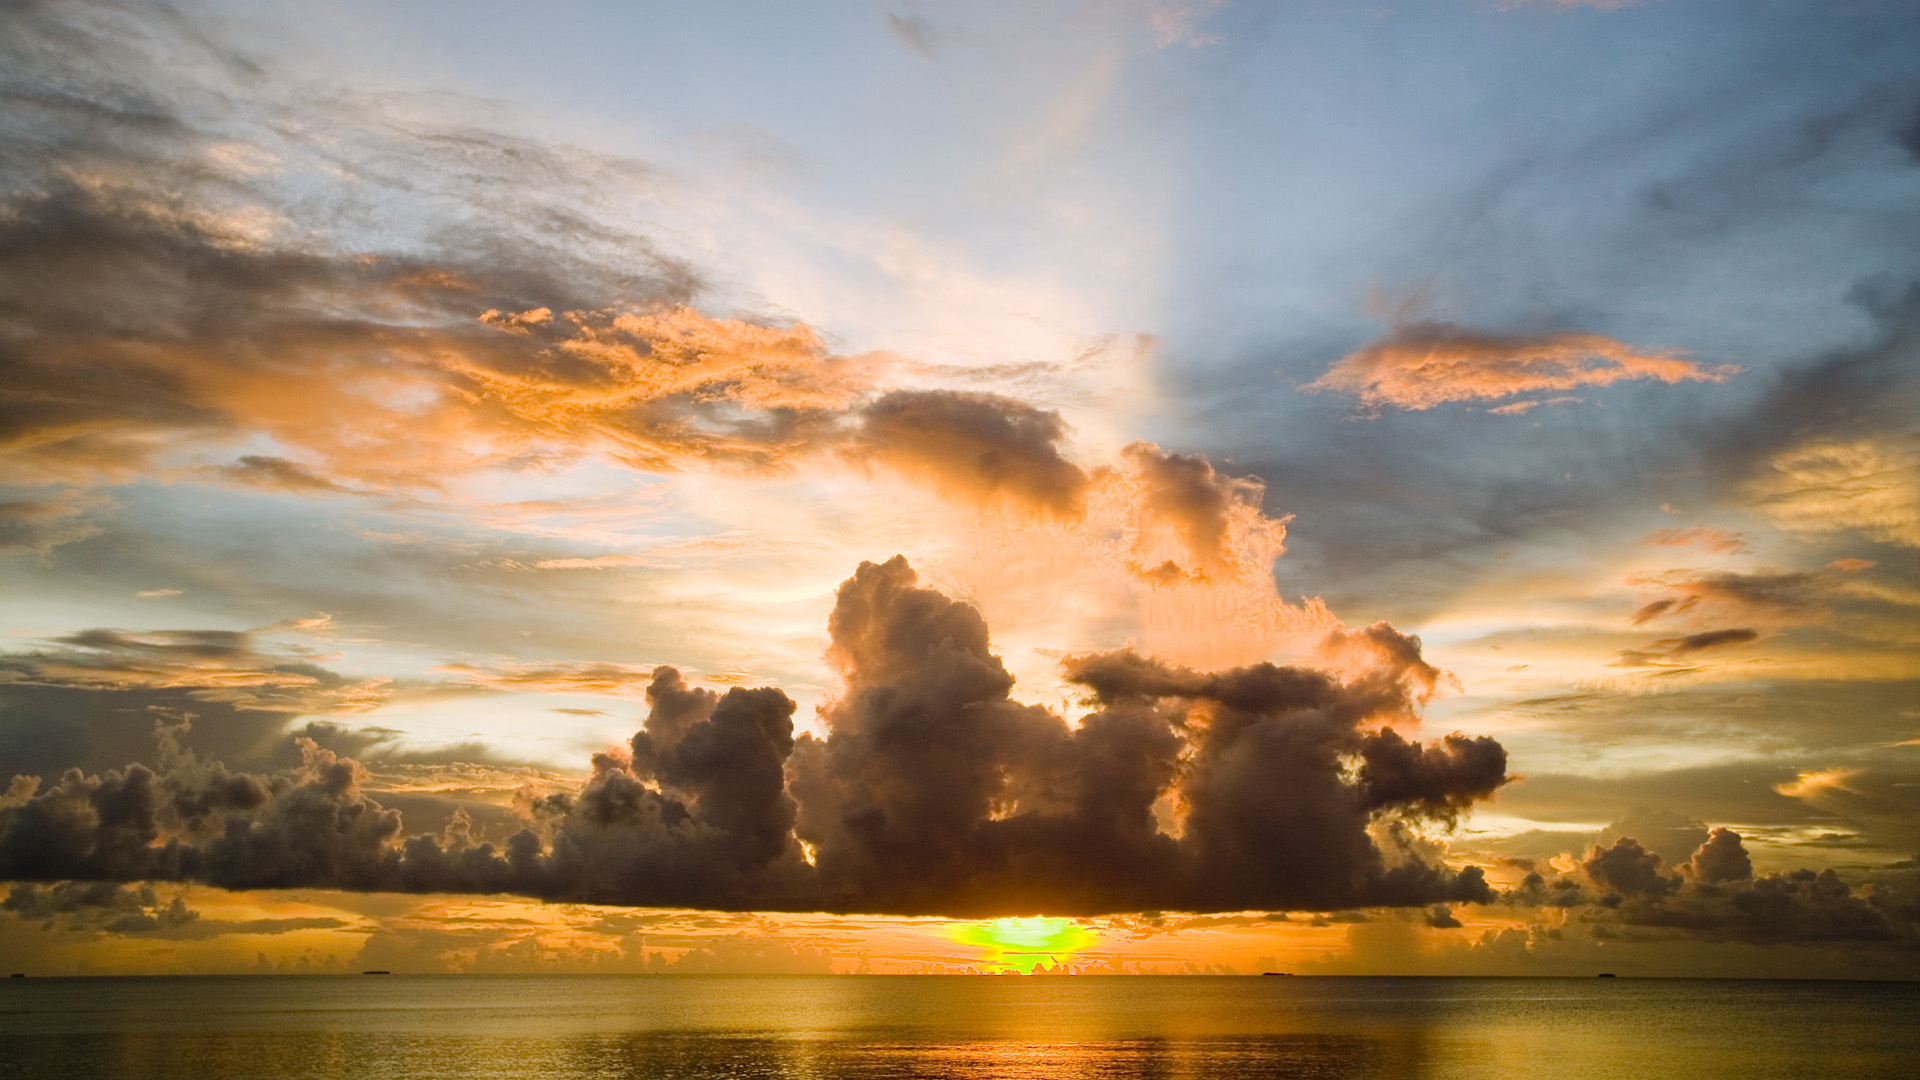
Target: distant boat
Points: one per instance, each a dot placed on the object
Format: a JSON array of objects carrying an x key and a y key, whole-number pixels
[
  {"x": 18, "y": 975},
  {"x": 1276, "y": 973},
  {"x": 1606, "y": 975},
  {"x": 376, "y": 973}
]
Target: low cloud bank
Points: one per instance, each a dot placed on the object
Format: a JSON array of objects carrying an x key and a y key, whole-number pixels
[
  {"x": 1624, "y": 890},
  {"x": 933, "y": 793}
]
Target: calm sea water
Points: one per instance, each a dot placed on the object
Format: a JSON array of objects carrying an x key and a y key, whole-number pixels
[{"x": 906, "y": 1026}]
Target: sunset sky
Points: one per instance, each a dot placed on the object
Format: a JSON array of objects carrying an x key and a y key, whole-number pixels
[{"x": 1362, "y": 486}]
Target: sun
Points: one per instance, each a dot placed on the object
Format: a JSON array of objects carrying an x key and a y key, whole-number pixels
[{"x": 1024, "y": 944}]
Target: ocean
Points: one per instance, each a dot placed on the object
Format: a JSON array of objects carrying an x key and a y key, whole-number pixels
[{"x": 216, "y": 1027}]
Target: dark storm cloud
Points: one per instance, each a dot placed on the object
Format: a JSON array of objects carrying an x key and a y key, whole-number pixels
[
  {"x": 935, "y": 792},
  {"x": 1722, "y": 858},
  {"x": 1628, "y": 869},
  {"x": 107, "y": 907},
  {"x": 932, "y": 793},
  {"x": 31, "y": 901},
  {"x": 1715, "y": 896}
]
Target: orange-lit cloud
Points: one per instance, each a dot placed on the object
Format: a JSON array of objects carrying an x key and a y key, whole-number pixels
[
  {"x": 1424, "y": 364},
  {"x": 660, "y": 386},
  {"x": 1718, "y": 541},
  {"x": 616, "y": 680},
  {"x": 1814, "y": 784},
  {"x": 1871, "y": 485}
]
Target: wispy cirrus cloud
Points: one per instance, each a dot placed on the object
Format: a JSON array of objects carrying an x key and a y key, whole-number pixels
[
  {"x": 1779, "y": 598},
  {"x": 1869, "y": 485},
  {"x": 580, "y": 677},
  {"x": 1718, "y": 541}
]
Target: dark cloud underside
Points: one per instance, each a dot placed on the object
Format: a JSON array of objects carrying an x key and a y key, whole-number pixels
[{"x": 933, "y": 793}]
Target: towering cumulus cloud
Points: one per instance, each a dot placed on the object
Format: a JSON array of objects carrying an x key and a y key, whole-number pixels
[{"x": 932, "y": 792}]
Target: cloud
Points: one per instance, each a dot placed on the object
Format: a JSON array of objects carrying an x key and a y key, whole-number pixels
[
  {"x": 1424, "y": 364},
  {"x": 1711, "y": 639},
  {"x": 166, "y": 307},
  {"x": 1818, "y": 782},
  {"x": 276, "y": 474},
  {"x": 468, "y": 305},
  {"x": 1175, "y": 22},
  {"x": 92, "y": 899},
  {"x": 1628, "y": 869},
  {"x": 233, "y": 667},
  {"x": 1779, "y": 598},
  {"x": 915, "y": 32},
  {"x": 39, "y": 526},
  {"x": 1214, "y": 521},
  {"x": 1722, "y": 858},
  {"x": 1670, "y": 835},
  {"x": 744, "y": 954},
  {"x": 136, "y": 911},
  {"x": 1830, "y": 447},
  {"x": 174, "y": 322},
  {"x": 983, "y": 446},
  {"x": 1673, "y": 648},
  {"x": 933, "y": 792},
  {"x": 1717, "y": 897},
  {"x": 1870, "y": 485},
  {"x": 1718, "y": 541},
  {"x": 584, "y": 677},
  {"x": 667, "y": 386},
  {"x": 937, "y": 791}
]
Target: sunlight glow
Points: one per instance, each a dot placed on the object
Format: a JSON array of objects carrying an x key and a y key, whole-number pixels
[{"x": 1024, "y": 944}]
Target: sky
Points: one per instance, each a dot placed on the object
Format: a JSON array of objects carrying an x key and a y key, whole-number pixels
[{"x": 1421, "y": 486}]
